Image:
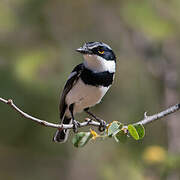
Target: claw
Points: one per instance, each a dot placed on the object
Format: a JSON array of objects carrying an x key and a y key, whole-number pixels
[
  {"x": 76, "y": 124},
  {"x": 102, "y": 126}
]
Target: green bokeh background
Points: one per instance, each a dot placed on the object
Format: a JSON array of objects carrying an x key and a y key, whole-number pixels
[{"x": 38, "y": 39}]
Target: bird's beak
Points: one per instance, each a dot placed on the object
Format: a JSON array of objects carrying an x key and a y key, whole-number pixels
[{"x": 83, "y": 50}]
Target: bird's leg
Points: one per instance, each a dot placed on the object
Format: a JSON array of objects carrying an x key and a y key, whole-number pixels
[
  {"x": 75, "y": 123},
  {"x": 102, "y": 126}
]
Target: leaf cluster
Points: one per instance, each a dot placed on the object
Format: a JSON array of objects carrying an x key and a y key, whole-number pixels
[{"x": 115, "y": 130}]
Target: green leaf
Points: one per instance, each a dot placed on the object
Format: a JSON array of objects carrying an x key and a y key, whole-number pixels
[
  {"x": 140, "y": 129},
  {"x": 80, "y": 139},
  {"x": 133, "y": 132},
  {"x": 113, "y": 128},
  {"x": 120, "y": 136}
]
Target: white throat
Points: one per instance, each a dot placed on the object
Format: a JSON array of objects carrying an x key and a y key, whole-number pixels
[{"x": 98, "y": 64}]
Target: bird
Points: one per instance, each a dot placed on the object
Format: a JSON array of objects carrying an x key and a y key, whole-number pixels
[{"x": 86, "y": 86}]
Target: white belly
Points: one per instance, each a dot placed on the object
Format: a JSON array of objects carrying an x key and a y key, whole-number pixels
[{"x": 84, "y": 96}]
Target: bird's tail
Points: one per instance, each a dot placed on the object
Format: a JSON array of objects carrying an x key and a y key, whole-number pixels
[{"x": 62, "y": 135}]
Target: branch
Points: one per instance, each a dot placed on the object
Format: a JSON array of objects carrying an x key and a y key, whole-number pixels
[
  {"x": 149, "y": 119},
  {"x": 88, "y": 122},
  {"x": 43, "y": 122}
]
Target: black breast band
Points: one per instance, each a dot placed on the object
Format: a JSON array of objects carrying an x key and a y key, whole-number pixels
[{"x": 97, "y": 78}]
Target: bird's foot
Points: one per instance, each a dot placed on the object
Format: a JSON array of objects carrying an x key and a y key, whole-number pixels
[
  {"x": 76, "y": 124},
  {"x": 102, "y": 125}
]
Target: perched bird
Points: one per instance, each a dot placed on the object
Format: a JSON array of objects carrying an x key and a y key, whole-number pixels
[{"x": 86, "y": 85}]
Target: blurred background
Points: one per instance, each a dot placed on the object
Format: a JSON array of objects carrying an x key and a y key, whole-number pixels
[{"x": 38, "y": 39}]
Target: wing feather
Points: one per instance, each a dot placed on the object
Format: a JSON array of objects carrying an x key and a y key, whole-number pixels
[{"x": 73, "y": 78}]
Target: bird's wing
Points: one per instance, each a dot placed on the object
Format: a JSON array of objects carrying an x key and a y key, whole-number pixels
[{"x": 74, "y": 76}]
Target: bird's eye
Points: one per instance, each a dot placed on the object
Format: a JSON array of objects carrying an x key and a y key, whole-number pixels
[{"x": 101, "y": 52}]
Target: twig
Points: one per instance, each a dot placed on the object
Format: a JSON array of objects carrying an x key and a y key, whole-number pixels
[
  {"x": 149, "y": 119},
  {"x": 45, "y": 123},
  {"x": 89, "y": 122}
]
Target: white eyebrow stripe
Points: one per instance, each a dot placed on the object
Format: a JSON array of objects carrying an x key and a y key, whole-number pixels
[
  {"x": 98, "y": 44},
  {"x": 91, "y": 47},
  {"x": 107, "y": 46}
]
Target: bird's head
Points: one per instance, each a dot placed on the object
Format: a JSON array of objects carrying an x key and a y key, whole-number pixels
[{"x": 98, "y": 56}]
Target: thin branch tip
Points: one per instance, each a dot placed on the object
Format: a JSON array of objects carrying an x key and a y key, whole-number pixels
[{"x": 145, "y": 115}]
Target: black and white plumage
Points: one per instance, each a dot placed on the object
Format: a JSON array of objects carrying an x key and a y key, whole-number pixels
[{"x": 87, "y": 83}]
